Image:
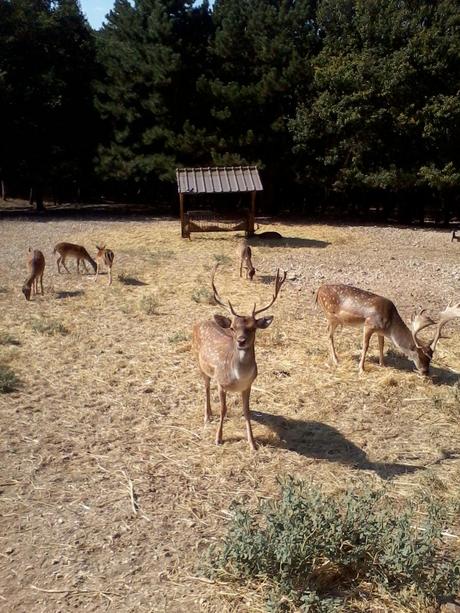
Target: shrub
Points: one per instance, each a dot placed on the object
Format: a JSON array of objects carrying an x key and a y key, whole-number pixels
[
  {"x": 149, "y": 304},
  {"x": 310, "y": 546},
  {"x": 203, "y": 295},
  {"x": 50, "y": 327},
  {"x": 8, "y": 380},
  {"x": 7, "y": 339},
  {"x": 222, "y": 259},
  {"x": 178, "y": 337}
]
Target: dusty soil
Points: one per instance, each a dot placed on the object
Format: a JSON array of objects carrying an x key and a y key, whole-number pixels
[{"x": 111, "y": 489}]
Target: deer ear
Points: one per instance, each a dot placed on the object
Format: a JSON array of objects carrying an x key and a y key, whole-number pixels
[
  {"x": 223, "y": 322},
  {"x": 264, "y": 322}
]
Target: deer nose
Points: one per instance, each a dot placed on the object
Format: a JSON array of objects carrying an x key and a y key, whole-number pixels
[{"x": 241, "y": 340}]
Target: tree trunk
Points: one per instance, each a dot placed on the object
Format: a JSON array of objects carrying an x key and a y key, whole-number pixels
[
  {"x": 39, "y": 199},
  {"x": 3, "y": 190}
]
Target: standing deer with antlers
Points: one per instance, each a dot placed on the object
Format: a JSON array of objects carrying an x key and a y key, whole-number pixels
[
  {"x": 349, "y": 306},
  {"x": 225, "y": 351}
]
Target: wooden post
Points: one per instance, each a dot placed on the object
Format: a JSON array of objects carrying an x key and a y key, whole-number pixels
[
  {"x": 252, "y": 214},
  {"x": 182, "y": 219}
]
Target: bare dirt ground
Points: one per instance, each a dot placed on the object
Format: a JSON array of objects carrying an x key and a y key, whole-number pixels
[{"x": 111, "y": 490}]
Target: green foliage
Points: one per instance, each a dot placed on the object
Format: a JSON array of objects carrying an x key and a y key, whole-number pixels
[
  {"x": 149, "y": 304},
  {"x": 47, "y": 62},
  {"x": 49, "y": 327},
  {"x": 178, "y": 337},
  {"x": 8, "y": 380},
  {"x": 8, "y": 339},
  {"x": 202, "y": 295},
  {"x": 222, "y": 259},
  {"x": 311, "y": 547}
]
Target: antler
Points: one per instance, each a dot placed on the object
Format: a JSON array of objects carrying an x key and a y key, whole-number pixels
[
  {"x": 419, "y": 322},
  {"x": 449, "y": 313},
  {"x": 278, "y": 283},
  {"x": 218, "y": 299}
]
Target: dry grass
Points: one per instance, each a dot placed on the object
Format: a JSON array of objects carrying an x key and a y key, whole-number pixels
[{"x": 111, "y": 488}]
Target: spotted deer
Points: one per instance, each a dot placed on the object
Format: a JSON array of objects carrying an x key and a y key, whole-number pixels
[
  {"x": 78, "y": 252},
  {"x": 350, "y": 306},
  {"x": 36, "y": 266},
  {"x": 104, "y": 257},
  {"x": 225, "y": 351},
  {"x": 245, "y": 255}
]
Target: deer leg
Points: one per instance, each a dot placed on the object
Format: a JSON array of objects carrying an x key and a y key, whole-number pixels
[
  {"x": 110, "y": 275},
  {"x": 97, "y": 271},
  {"x": 368, "y": 332},
  {"x": 41, "y": 284},
  {"x": 63, "y": 263},
  {"x": 58, "y": 262},
  {"x": 207, "y": 402},
  {"x": 223, "y": 413},
  {"x": 247, "y": 416},
  {"x": 381, "y": 345},
  {"x": 241, "y": 268},
  {"x": 84, "y": 266},
  {"x": 330, "y": 331}
]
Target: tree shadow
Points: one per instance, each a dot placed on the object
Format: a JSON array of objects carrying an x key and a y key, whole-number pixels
[
  {"x": 70, "y": 294},
  {"x": 314, "y": 439},
  {"x": 128, "y": 280},
  {"x": 288, "y": 242}
]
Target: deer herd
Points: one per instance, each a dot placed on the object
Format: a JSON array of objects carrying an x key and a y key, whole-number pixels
[{"x": 225, "y": 346}]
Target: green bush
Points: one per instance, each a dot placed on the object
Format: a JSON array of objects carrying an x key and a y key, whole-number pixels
[
  {"x": 8, "y": 380},
  {"x": 50, "y": 327},
  {"x": 7, "y": 339},
  {"x": 203, "y": 295},
  {"x": 310, "y": 547},
  {"x": 149, "y": 304}
]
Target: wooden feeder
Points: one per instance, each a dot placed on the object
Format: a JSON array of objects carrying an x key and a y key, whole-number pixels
[{"x": 217, "y": 180}]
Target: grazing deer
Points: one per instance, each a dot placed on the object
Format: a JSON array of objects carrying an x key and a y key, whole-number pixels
[
  {"x": 36, "y": 266},
  {"x": 348, "y": 306},
  {"x": 106, "y": 257},
  {"x": 454, "y": 235},
  {"x": 245, "y": 255},
  {"x": 66, "y": 250},
  {"x": 225, "y": 351}
]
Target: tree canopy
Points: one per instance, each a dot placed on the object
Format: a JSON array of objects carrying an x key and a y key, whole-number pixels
[{"x": 337, "y": 101}]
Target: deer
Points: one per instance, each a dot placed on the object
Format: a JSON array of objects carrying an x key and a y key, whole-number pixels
[
  {"x": 66, "y": 250},
  {"x": 104, "y": 257},
  {"x": 347, "y": 306},
  {"x": 224, "y": 349},
  {"x": 245, "y": 255},
  {"x": 36, "y": 266}
]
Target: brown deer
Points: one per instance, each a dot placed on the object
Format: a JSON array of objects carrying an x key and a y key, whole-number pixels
[
  {"x": 104, "y": 257},
  {"x": 245, "y": 255},
  {"x": 348, "y": 306},
  {"x": 225, "y": 351},
  {"x": 36, "y": 266},
  {"x": 66, "y": 250}
]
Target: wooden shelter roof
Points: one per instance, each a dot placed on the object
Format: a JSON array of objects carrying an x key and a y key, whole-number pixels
[{"x": 218, "y": 179}]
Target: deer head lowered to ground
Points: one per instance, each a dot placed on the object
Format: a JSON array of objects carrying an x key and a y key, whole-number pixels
[
  {"x": 225, "y": 351},
  {"x": 78, "y": 252},
  {"x": 36, "y": 266},
  {"x": 347, "y": 306}
]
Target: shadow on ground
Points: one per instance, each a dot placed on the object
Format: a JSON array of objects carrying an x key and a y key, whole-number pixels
[
  {"x": 439, "y": 376},
  {"x": 314, "y": 439},
  {"x": 70, "y": 294},
  {"x": 131, "y": 281}
]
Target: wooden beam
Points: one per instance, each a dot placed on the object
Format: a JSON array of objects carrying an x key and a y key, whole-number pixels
[
  {"x": 252, "y": 214},
  {"x": 182, "y": 216}
]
